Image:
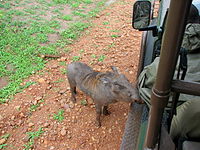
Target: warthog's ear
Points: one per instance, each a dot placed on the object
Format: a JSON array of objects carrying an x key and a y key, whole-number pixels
[{"x": 115, "y": 70}]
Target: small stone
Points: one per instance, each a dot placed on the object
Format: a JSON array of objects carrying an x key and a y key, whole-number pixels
[
  {"x": 110, "y": 130},
  {"x": 26, "y": 138},
  {"x": 69, "y": 136},
  {"x": 30, "y": 124},
  {"x": 71, "y": 105},
  {"x": 17, "y": 107},
  {"x": 19, "y": 122},
  {"x": 54, "y": 66},
  {"x": 62, "y": 91},
  {"x": 52, "y": 147},
  {"x": 2, "y": 141},
  {"x": 41, "y": 80},
  {"x": 63, "y": 132},
  {"x": 49, "y": 87},
  {"x": 52, "y": 138},
  {"x": 67, "y": 107},
  {"x": 13, "y": 117},
  {"x": 42, "y": 141},
  {"x": 45, "y": 142},
  {"x": 131, "y": 72},
  {"x": 22, "y": 115},
  {"x": 38, "y": 98},
  {"x": 34, "y": 102},
  {"x": 63, "y": 58},
  {"x": 1, "y": 117},
  {"x": 46, "y": 124}
]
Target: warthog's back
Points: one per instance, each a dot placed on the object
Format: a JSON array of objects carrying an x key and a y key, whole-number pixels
[{"x": 77, "y": 71}]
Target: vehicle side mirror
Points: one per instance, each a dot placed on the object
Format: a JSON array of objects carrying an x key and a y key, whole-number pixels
[{"x": 141, "y": 14}]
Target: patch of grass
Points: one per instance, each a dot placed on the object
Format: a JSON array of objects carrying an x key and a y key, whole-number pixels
[
  {"x": 75, "y": 5},
  {"x": 3, "y": 146},
  {"x": 20, "y": 41},
  {"x": 30, "y": 11},
  {"x": 60, "y": 1},
  {"x": 93, "y": 56},
  {"x": 67, "y": 17},
  {"x": 63, "y": 71},
  {"x": 5, "y": 5},
  {"x": 111, "y": 45},
  {"x": 87, "y": 1},
  {"x": 81, "y": 51},
  {"x": 42, "y": 38},
  {"x": 32, "y": 136},
  {"x": 59, "y": 80},
  {"x": 26, "y": 86},
  {"x": 101, "y": 58},
  {"x": 54, "y": 24},
  {"x": 106, "y": 23},
  {"x": 84, "y": 102},
  {"x": 62, "y": 63},
  {"x": 6, "y": 136},
  {"x": 76, "y": 58},
  {"x": 74, "y": 31},
  {"x": 114, "y": 36},
  {"x": 115, "y": 30},
  {"x": 94, "y": 12},
  {"x": 59, "y": 116},
  {"x": 35, "y": 107},
  {"x": 78, "y": 13}
]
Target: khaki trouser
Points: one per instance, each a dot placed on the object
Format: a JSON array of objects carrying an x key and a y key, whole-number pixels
[{"x": 189, "y": 106}]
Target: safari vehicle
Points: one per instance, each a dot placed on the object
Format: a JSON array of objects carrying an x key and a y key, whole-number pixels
[{"x": 147, "y": 128}]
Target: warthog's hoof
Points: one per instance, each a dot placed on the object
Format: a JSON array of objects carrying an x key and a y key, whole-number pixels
[{"x": 106, "y": 112}]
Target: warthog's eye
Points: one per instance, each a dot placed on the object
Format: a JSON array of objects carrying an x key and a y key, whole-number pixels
[{"x": 120, "y": 87}]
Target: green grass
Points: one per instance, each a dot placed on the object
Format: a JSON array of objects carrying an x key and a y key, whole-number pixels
[
  {"x": 3, "y": 146},
  {"x": 93, "y": 56},
  {"x": 106, "y": 23},
  {"x": 32, "y": 136},
  {"x": 54, "y": 24},
  {"x": 24, "y": 35},
  {"x": 84, "y": 102},
  {"x": 59, "y": 116},
  {"x": 6, "y": 136},
  {"x": 114, "y": 36},
  {"x": 67, "y": 17},
  {"x": 101, "y": 58},
  {"x": 74, "y": 31},
  {"x": 76, "y": 58}
]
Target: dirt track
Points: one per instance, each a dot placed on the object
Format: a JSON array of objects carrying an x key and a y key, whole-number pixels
[{"x": 112, "y": 37}]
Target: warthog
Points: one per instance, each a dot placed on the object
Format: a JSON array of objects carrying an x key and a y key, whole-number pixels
[{"x": 103, "y": 88}]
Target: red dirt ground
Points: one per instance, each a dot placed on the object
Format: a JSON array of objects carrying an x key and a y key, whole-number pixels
[{"x": 77, "y": 131}]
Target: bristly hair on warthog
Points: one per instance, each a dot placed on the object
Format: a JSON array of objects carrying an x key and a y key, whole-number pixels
[{"x": 104, "y": 88}]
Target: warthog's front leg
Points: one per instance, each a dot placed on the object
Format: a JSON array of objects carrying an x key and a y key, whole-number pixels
[
  {"x": 98, "y": 114},
  {"x": 73, "y": 91}
]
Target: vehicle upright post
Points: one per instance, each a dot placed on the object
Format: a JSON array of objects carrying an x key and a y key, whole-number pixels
[{"x": 172, "y": 39}]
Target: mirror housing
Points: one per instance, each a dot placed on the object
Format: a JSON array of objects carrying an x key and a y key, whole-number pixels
[{"x": 141, "y": 14}]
